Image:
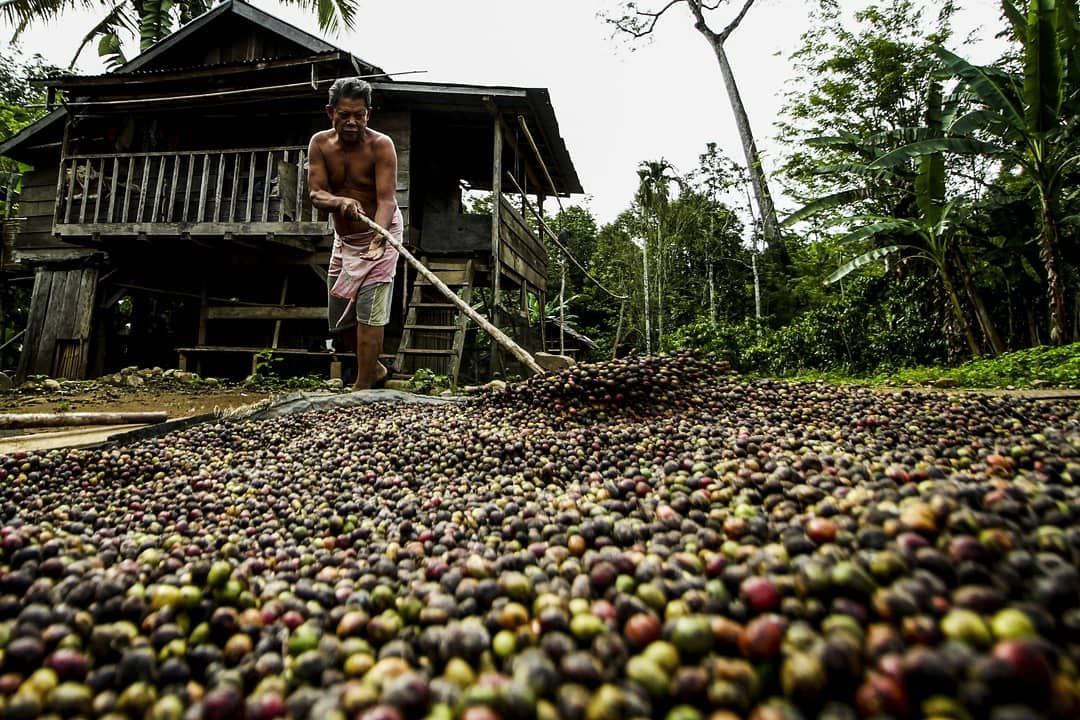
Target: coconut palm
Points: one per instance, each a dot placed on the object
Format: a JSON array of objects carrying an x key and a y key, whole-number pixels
[
  {"x": 652, "y": 197},
  {"x": 148, "y": 20}
]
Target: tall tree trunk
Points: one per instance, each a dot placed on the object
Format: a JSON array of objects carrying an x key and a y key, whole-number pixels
[
  {"x": 712, "y": 290},
  {"x": 981, "y": 312},
  {"x": 1050, "y": 254},
  {"x": 762, "y": 196},
  {"x": 1033, "y": 325},
  {"x": 660, "y": 279},
  {"x": 757, "y": 292},
  {"x": 645, "y": 283},
  {"x": 959, "y": 314}
]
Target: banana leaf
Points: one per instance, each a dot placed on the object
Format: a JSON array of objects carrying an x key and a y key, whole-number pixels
[
  {"x": 1017, "y": 21},
  {"x": 990, "y": 86},
  {"x": 155, "y": 22},
  {"x": 973, "y": 121},
  {"x": 954, "y": 145},
  {"x": 1042, "y": 68},
  {"x": 1069, "y": 29},
  {"x": 861, "y": 262},
  {"x": 115, "y": 21},
  {"x": 829, "y": 202},
  {"x": 883, "y": 225},
  {"x": 333, "y": 14},
  {"x": 110, "y": 49}
]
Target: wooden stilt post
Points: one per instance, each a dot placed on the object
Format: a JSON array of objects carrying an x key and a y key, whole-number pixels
[{"x": 496, "y": 209}]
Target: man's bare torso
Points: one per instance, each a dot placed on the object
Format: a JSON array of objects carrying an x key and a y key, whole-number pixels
[{"x": 350, "y": 170}]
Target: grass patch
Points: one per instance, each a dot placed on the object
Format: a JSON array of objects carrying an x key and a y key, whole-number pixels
[{"x": 1037, "y": 367}]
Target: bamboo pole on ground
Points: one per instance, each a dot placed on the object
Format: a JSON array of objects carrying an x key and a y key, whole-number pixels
[
  {"x": 14, "y": 421},
  {"x": 498, "y": 335}
]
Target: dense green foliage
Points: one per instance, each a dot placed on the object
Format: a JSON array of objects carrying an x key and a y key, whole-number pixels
[
  {"x": 20, "y": 102},
  {"x": 939, "y": 213}
]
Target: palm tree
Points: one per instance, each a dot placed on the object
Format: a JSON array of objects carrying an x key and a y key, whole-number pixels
[
  {"x": 148, "y": 20},
  {"x": 1030, "y": 120},
  {"x": 652, "y": 198}
]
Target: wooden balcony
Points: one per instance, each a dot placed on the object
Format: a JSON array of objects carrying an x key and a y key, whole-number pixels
[{"x": 227, "y": 194}]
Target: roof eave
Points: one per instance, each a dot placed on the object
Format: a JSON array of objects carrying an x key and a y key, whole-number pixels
[{"x": 11, "y": 146}]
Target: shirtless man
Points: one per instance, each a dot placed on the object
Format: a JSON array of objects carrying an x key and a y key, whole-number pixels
[{"x": 353, "y": 169}]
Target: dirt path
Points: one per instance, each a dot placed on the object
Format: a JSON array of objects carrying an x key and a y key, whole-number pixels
[{"x": 175, "y": 403}]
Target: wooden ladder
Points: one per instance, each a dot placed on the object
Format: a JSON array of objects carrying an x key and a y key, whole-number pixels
[{"x": 434, "y": 332}]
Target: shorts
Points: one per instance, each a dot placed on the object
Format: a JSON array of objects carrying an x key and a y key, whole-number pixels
[{"x": 372, "y": 306}]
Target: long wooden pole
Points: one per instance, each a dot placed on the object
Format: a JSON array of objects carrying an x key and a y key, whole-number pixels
[
  {"x": 498, "y": 335},
  {"x": 36, "y": 420}
]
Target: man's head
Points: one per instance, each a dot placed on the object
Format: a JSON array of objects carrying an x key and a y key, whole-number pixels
[{"x": 349, "y": 107}]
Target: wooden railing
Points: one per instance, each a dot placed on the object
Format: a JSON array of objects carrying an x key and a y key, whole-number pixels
[
  {"x": 520, "y": 249},
  {"x": 209, "y": 192}
]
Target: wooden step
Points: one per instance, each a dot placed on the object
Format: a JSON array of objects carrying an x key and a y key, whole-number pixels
[
  {"x": 418, "y": 351},
  {"x": 446, "y": 328},
  {"x": 449, "y": 277},
  {"x": 432, "y": 305},
  {"x": 445, "y": 265}
]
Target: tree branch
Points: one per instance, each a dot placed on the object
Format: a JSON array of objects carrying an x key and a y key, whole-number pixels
[
  {"x": 638, "y": 28},
  {"x": 702, "y": 27},
  {"x": 726, "y": 32}
]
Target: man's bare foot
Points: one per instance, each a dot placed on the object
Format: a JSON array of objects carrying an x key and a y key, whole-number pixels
[
  {"x": 380, "y": 376},
  {"x": 376, "y": 250}
]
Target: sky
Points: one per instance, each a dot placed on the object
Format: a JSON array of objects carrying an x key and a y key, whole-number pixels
[{"x": 618, "y": 102}]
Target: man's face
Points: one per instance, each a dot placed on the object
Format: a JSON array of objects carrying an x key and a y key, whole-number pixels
[{"x": 349, "y": 118}]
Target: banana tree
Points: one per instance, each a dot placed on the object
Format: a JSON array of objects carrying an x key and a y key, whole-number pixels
[
  {"x": 147, "y": 20},
  {"x": 1031, "y": 122},
  {"x": 931, "y": 231},
  {"x": 931, "y": 239}
]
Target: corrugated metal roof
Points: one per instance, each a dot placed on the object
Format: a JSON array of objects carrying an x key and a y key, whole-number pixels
[{"x": 166, "y": 70}]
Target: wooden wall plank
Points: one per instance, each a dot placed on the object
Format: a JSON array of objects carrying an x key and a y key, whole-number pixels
[
  {"x": 39, "y": 305},
  {"x": 84, "y": 307}
]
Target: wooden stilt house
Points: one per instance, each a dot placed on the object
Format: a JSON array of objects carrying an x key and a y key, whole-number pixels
[{"x": 167, "y": 216}]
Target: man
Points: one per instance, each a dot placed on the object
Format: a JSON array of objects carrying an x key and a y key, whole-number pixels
[{"x": 353, "y": 169}]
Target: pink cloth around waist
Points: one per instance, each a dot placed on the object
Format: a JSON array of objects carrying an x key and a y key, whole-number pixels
[{"x": 352, "y": 270}]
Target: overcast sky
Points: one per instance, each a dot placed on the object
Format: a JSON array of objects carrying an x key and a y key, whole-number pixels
[{"x": 617, "y": 103}]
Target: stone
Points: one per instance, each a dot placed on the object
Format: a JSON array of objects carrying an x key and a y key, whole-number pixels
[
  {"x": 129, "y": 370},
  {"x": 5, "y": 381},
  {"x": 51, "y": 385},
  {"x": 133, "y": 381},
  {"x": 554, "y": 363},
  {"x": 446, "y": 393},
  {"x": 334, "y": 384},
  {"x": 397, "y": 385},
  {"x": 170, "y": 372},
  {"x": 945, "y": 383},
  {"x": 212, "y": 382}
]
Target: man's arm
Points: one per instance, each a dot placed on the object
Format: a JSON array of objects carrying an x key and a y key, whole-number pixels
[
  {"x": 319, "y": 183},
  {"x": 385, "y": 181}
]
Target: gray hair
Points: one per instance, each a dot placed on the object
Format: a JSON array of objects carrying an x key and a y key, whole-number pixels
[{"x": 350, "y": 88}]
